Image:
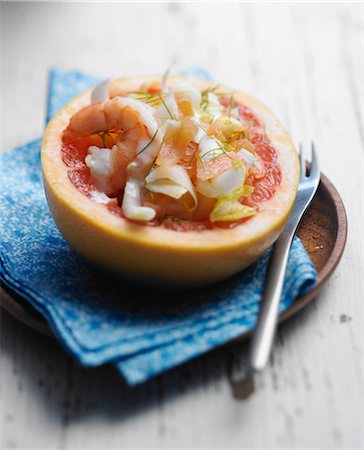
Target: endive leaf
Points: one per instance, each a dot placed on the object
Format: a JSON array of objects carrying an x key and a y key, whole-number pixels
[
  {"x": 228, "y": 208},
  {"x": 171, "y": 181}
]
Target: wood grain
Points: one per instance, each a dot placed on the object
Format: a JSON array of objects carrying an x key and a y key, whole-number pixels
[{"x": 305, "y": 62}]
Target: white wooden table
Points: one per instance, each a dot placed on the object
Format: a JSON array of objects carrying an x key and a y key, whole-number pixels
[{"x": 305, "y": 61}]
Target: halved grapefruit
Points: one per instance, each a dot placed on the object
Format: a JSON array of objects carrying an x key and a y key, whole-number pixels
[{"x": 180, "y": 245}]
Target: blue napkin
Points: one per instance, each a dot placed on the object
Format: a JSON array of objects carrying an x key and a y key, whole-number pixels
[{"x": 97, "y": 318}]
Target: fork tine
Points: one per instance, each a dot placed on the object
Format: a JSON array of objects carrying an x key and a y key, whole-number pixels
[
  {"x": 315, "y": 170},
  {"x": 302, "y": 162}
]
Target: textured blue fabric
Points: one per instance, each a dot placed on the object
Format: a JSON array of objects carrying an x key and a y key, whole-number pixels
[
  {"x": 98, "y": 318},
  {"x": 63, "y": 86}
]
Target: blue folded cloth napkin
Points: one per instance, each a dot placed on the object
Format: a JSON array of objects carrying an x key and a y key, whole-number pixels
[{"x": 98, "y": 318}]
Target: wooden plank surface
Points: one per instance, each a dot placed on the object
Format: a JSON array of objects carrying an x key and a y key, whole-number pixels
[{"x": 305, "y": 61}]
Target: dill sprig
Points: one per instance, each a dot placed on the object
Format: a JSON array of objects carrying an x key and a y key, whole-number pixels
[
  {"x": 153, "y": 100},
  {"x": 145, "y": 97},
  {"x": 151, "y": 167},
  {"x": 205, "y": 95},
  {"x": 147, "y": 145},
  {"x": 230, "y": 104},
  {"x": 193, "y": 155},
  {"x": 212, "y": 150},
  {"x": 219, "y": 144},
  {"x": 234, "y": 136},
  {"x": 165, "y": 105},
  {"x": 222, "y": 148},
  {"x": 200, "y": 126},
  {"x": 103, "y": 135}
]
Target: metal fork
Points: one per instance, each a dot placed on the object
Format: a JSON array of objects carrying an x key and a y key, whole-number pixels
[{"x": 268, "y": 315}]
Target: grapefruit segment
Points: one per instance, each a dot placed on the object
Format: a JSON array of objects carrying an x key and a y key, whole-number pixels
[{"x": 176, "y": 141}]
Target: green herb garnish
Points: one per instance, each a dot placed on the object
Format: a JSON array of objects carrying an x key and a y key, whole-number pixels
[
  {"x": 205, "y": 96},
  {"x": 151, "y": 166},
  {"x": 151, "y": 99},
  {"x": 103, "y": 135},
  {"x": 147, "y": 145},
  {"x": 230, "y": 104},
  {"x": 165, "y": 105},
  {"x": 221, "y": 146}
]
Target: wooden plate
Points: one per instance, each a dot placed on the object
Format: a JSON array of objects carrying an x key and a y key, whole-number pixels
[{"x": 323, "y": 232}]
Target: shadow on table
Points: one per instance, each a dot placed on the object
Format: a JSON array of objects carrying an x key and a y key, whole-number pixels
[{"x": 70, "y": 393}]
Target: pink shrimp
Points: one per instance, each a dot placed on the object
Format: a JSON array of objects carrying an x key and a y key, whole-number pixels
[
  {"x": 138, "y": 142},
  {"x": 117, "y": 114}
]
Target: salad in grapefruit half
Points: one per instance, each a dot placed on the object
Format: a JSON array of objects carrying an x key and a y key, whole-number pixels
[{"x": 173, "y": 180}]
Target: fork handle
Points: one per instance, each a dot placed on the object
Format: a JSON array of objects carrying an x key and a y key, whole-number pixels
[{"x": 268, "y": 315}]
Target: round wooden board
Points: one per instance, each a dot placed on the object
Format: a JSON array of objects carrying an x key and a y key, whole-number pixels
[{"x": 323, "y": 232}]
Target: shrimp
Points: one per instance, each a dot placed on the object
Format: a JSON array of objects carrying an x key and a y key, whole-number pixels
[
  {"x": 119, "y": 114},
  {"x": 139, "y": 140},
  {"x": 107, "y": 168}
]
